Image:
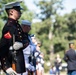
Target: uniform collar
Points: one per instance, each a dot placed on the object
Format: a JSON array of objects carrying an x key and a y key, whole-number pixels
[{"x": 12, "y": 20}]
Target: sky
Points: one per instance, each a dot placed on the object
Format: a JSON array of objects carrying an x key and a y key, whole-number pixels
[{"x": 68, "y": 6}]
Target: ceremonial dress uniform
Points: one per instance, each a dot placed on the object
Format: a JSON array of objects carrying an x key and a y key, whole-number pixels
[
  {"x": 12, "y": 42},
  {"x": 12, "y": 28}
]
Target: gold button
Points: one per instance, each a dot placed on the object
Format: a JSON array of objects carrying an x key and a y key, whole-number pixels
[
  {"x": 20, "y": 36},
  {"x": 18, "y": 28},
  {"x": 19, "y": 32},
  {"x": 3, "y": 58},
  {"x": 4, "y": 62}
]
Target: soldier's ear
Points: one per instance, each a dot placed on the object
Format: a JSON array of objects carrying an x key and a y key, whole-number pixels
[{"x": 11, "y": 12}]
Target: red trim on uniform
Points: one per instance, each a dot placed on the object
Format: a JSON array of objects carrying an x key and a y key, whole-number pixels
[{"x": 8, "y": 35}]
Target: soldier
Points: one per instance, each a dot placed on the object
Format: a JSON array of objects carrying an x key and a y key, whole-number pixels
[
  {"x": 70, "y": 58},
  {"x": 13, "y": 41},
  {"x": 28, "y": 51}
]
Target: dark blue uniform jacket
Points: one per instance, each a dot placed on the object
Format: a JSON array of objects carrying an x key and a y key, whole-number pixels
[
  {"x": 70, "y": 58},
  {"x": 11, "y": 28}
]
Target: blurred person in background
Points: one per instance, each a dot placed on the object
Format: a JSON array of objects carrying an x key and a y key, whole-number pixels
[
  {"x": 39, "y": 61},
  {"x": 70, "y": 59},
  {"x": 58, "y": 62},
  {"x": 52, "y": 70}
]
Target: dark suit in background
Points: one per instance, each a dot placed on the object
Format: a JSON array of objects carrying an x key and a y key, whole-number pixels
[{"x": 70, "y": 58}]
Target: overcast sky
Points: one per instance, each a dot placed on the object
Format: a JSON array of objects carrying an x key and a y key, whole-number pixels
[{"x": 68, "y": 4}]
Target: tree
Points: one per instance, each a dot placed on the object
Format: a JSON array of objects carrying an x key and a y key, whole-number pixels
[
  {"x": 48, "y": 8},
  {"x": 71, "y": 23},
  {"x": 60, "y": 32},
  {"x": 47, "y": 15}
]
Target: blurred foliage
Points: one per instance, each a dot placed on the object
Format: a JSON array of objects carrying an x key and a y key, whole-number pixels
[
  {"x": 47, "y": 68},
  {"x": 1, "y": 26},
  {"x": 48, "y": 8}
]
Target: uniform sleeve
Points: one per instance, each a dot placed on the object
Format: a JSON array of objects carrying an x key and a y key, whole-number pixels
[
  {"x": 7, "y": 34},
  {"x": 5, "y": 43},
  {"x": 65, "y": 57},
  {"x": 3, "y": 47}
]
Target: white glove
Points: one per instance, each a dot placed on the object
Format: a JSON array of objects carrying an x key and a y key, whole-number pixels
[
  {"x": 36, "y": 54},
  {"x": 17, "y": 45},
  {"x": 10, "y": 71}
]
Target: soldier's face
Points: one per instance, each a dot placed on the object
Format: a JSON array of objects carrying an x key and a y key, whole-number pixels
[
  {"x": 16, "y": 14},
  {"x": 26, "y": 28}
]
